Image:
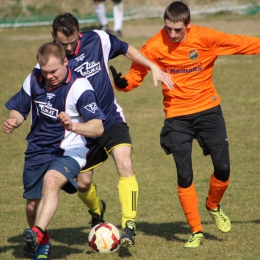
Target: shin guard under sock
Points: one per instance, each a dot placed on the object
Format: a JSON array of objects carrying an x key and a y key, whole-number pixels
[
  {"x": 189, "y": 202},
  {"x": 91, "y": 200},
  {"x": 128, "y": 195},
  {"x": 217, "y": 189}
]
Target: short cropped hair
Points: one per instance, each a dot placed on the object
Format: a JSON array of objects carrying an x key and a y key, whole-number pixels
[
  {"x": 66, "y": 23},
  {"x": 50, "y": 49},
  {"x": 177, "y": 12}
]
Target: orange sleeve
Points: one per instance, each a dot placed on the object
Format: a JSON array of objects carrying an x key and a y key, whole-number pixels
[{"x": 228, "y": 44}]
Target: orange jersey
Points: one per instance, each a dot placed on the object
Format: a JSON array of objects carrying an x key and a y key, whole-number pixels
[{"x": 190, "y": 63}]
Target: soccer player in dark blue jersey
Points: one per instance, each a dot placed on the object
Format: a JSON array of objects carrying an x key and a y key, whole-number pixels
[
  {"x": 63, "y": 111},
  {"x": 88, "y": 54}
]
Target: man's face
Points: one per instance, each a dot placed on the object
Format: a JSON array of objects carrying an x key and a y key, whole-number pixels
[
  {"x": 69, "y": 43},
  {"x": 54, "y": 71},
  {"x": 177, "y": 31}
]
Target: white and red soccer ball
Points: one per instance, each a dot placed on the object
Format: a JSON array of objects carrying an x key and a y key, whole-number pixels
[{"x": 104, "y": 238}]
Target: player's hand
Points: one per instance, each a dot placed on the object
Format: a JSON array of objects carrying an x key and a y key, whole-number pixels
[
  {"x": 9, "y": 125},
  {"x": 120, "y": 82},
  {"x": 65, "y": 120},
  {"x": 158, "y": 74}
]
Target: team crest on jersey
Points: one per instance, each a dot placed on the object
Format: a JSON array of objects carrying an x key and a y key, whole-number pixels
[
  {"x": 46, "y": 109},
  {"x": 91, "y": 107},
  {"x": 81, "y": 57},
  {"x": 50, "y": 95},
  {"x": 88, "y": 69},
  {"x": 193, "y": 55}
]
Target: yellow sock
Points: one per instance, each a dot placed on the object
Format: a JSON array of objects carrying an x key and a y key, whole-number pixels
[
  {"x": 128, "y": 195},
  {"x": 91, "y": 200}
]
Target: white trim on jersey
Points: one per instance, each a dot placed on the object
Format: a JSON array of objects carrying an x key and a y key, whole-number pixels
[
  {"x": 106, "y": 45},
  {"x": 27, "y": 85}
]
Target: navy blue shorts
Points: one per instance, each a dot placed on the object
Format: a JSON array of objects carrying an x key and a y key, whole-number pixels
[
  {"x": 207, "y": 127},
  {"x": 33, "y": 176}
]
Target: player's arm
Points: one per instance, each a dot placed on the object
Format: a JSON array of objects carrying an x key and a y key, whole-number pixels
[
  {"x": 14, "y": 120},
  {"x": 19, "y": 106},
  {"x": 87, "y": 106},
  {"x": 131, "y": 80},
  {"x": 91, "y": 128},
  {"x": 136, "y": 56},
  {"x": 229, "y": 44}
]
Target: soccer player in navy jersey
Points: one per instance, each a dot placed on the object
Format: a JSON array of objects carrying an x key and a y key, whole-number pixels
[
  {"x": 88, "y": 54},
  {"x": 63, "y": 111}
]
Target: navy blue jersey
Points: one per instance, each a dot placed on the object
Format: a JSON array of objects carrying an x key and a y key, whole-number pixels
[
  {"x": 48, "y": 138},
  {"x": 90, "y": 59}
]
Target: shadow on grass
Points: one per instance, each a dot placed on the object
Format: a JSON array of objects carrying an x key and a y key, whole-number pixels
[
  {"x": 70, "y": 237},
  {"x": 73, "y": 237},
  {"x": 170, "y": 231}
]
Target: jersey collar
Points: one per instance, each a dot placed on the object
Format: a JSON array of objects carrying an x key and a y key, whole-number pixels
[
  {"x": 65, "y": 81},
  {"x": 76, "y": 52}
]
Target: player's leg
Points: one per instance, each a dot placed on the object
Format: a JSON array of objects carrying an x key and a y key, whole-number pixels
[
  {"x": 219, "y": 182},
  {"x": 214, "y": 141},
  {"x": 128, "y": 192},
  {"x": 60, "y": 174},
  {"x": 33, "y": 182},
  {"x": 118, "y": 12},
  {"x": 31, "y": 208},
  {"x": 176, "y": 138},
  {"x": 100, "y": 11},
  {"x": 118, "y": 143},
  {"x": 220, "y": 178},
  {"x": 38, "y": 235},
  {"x": 188, "y": 197},
  {"x": 53, "y": 182},
  {"x": 87, "y": 190}
]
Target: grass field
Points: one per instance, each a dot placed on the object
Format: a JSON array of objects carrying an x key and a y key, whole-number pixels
[{"x": 162, "y": 228}]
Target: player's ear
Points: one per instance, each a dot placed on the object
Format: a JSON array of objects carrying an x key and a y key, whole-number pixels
[
  {"x": 188, "y": 25},
  {"x": 52, "y": 34},
  {"x": 66, "y": 62}
]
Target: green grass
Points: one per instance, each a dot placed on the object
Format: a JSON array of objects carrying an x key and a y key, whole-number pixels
[{"x": 162, "y": 228}]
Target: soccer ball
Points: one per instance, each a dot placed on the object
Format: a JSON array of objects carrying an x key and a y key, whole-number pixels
[{"x": 104, "y": 238}]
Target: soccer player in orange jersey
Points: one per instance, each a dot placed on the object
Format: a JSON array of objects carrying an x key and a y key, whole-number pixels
[{"x": 192, "y": 108}]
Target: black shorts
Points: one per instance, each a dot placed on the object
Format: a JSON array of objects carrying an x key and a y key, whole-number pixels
[
  {"x": 116, "y": 135},
  {"x": 207, "y": 127}
]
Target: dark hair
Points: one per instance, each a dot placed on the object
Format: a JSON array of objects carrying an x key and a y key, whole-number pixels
[
  {"x": 177, "y": 12},
  {"x": 66, "y": 23},
  {"x": 50, "y": 49}
]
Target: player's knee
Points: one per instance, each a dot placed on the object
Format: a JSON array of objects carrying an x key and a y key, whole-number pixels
[
  {"x": 126, "y": 170},
  {"x": 222, "y": 172},
  {"x": 185, "y": 178},
  {"x": 83, "y": 186},
  {"x": 49, "y": 181},
  {"x": 31, "y": 208}
]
